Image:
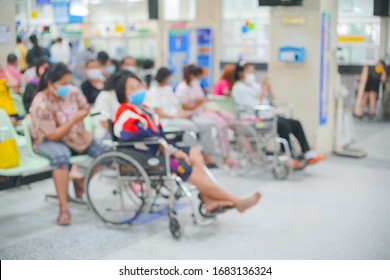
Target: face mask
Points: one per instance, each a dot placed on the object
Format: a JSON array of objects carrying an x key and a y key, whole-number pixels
[
  {"x": 138, "y": 98},
  {"x": 62, "y": 91},
  {"x": 250, "y": 78},
  {"x": 378, "y": 69},
  {"x": 95, "y": 74},
  {"x": 110, "y": 69},
  {"x": 131, "y": 69},
  {"x": 195, "y": 82}
]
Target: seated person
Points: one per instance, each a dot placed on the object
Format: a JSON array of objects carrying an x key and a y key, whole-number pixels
[
  {"x": 161, "y": 98},
  {"x": 247, "y": 93},
  {"x": 148, "y": 72},
  {"x": 106, "y": 63},
  {"x": 192, "y": 99},
  {"x": 135, "y": 122},
  {"x": 12, "y": 67},
  {"x": 107, "y": 104},
  {"x": 57, "y": 130},
  {"x": 95, "y": 80},
  {"x": 8, "y": 81},
  {"x": 225, "y": 84},
  {"x": 129, "y": 63},
  {"x": 32, "y": 86}
]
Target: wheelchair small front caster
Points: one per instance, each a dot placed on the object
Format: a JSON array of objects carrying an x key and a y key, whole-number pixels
[
  {"x": 280, "y": 171},
  {"x": 174, "y": 227}
]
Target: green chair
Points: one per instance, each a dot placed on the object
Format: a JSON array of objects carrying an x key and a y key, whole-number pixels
[
  {"x": 223, "y": 103},
  {"x": 18, "y": 103},
  {"x": 28, "y": 164}
]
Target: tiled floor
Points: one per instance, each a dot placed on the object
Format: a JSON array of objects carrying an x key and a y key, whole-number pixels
[{"x": 338, "y": 209}]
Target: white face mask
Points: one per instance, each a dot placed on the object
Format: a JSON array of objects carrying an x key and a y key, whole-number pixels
[
  {"x": 250, "y": 78},
  {"x": 195, "y": 82},
  {"x": 95, "y": 74},
  {"x": 131, "y": 68}
]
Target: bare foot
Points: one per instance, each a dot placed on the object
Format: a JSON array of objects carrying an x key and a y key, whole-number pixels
[
  {"x": 246, "y": 203},
  {"x": 213, "y": 205}
]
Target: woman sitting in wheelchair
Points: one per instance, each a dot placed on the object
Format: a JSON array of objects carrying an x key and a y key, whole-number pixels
[{"x": 136, "y": 122}]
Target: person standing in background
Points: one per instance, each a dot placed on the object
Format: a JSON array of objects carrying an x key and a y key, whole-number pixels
[
  {"x": 377, "y": 78},
  {"x": 36, "y": 52},
  {"x": 60, "y": 51},
  {"x": 21, "y": 53}
]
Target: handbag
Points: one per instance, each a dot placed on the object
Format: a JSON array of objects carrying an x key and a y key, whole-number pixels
[
  {"x": 8, "y": 149},
  {"x": 78, "y": 140}
]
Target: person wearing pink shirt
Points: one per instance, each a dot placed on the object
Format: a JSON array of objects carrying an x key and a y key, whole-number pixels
[
  {"x": 12, "y": 67},
  {"x": 192, "y": 99},
  {"x": 226, "y": 83}
]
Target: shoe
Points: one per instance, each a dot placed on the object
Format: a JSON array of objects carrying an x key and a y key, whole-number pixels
[
  {"x": 64, "y": 218},
  {"x": 297, "y": 165},
  {"x": 315, "y": 159},
  {"x": 78, "y": 185}
]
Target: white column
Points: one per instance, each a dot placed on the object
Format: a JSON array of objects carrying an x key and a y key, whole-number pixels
[
  {"x": 299, "y": 83},
  {"x": 7, "y": 18}
]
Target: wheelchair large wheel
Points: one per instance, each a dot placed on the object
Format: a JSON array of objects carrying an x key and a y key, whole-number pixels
[
  {"x": 118, "y": 188},
  {"x": 244, "y": 147}
]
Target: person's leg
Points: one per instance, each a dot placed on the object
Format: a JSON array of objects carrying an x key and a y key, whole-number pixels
[
  {"x": 185, "y": 125},
  {"x": 219, "y": 122},
  {"x": 205, "y": 127},
  {"x": 213, "y": 196},
  {"x": 364, "y": 102},
  {"x": 297, "y": 131},
  {"x": 284, "y": 129},
  {"x": 95, "y": 149},
  {"x": 373, "y": 97},
  {"x": 59, "y": 156}
]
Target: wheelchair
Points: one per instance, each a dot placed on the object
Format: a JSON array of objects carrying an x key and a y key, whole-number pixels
[
  {"x": 124, "y": 186},
  {"x": 254, "y": 142}
]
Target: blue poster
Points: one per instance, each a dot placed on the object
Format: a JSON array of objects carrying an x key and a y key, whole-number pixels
[
  {"x": 179, "y": 53},
  {"x": 324, "y": 91},
  {"x": 42, "y": 2},
  {"x": 204, "y": 56},
  {"x": 61, "y": 13}
]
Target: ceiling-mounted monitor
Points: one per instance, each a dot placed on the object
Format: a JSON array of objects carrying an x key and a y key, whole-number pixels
[{"x": 280, "y": 2}]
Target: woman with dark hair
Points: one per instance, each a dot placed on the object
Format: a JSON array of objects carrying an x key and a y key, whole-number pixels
[
  {"x": 167, "y": 106},
  {"x": 57, "y": 130},
  {"x": 106, "y": 104},
  {"x": 36, "y": 52},
  {"x": 32, "y": 86},
  {"x": 226, "y": 83},
  {"x": 247, "y": 94},
  {"x": 192, "y": 99},
  {"x": 377, "y": 78},
  {"x": 135, "y": 122}
]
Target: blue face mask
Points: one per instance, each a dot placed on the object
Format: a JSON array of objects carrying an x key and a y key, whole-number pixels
[
  {"x": 63, "y": 91},
  {"x": 138, "y": 98},
  {"x": 110, "y": 69}
]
